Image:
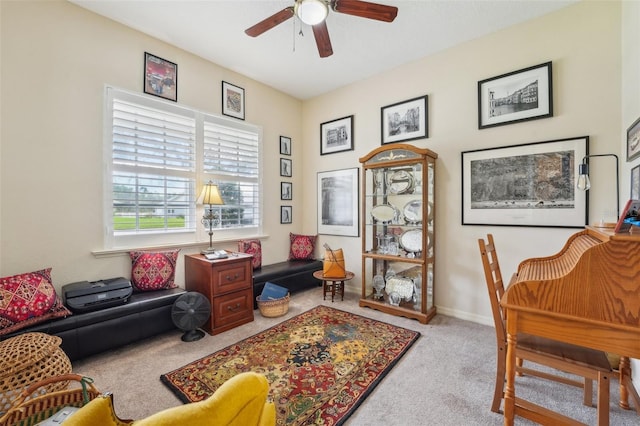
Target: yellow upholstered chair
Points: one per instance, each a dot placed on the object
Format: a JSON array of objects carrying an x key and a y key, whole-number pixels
[{"x": 240, "y": 401}]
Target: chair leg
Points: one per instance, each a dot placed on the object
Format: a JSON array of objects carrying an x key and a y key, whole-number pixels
[
  {"x": 519, "y": 362},
  {"x": 603, "y": 399},
  {"x": 588, "y": 392},
  {"x": 501, "y": 370}
]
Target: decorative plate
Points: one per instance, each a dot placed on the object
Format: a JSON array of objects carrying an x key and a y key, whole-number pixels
[
  {"x": 400, "y": 181},
  {"x": 412, "y": 211},
  {"x": 411, "y": 240},
  {"x": 384, "y": 213}
]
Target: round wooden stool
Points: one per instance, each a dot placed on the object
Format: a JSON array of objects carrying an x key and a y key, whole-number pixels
[{"x": 333, "y": 285}]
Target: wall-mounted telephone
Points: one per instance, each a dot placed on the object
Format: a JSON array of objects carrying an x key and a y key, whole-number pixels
[{"x": 217, "y": 254}]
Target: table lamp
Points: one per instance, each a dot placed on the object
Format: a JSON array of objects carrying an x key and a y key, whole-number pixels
[{"x": 210, "y": 196}]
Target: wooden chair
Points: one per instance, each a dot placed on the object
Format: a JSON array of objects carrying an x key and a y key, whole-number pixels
[{"x": 586, "y": 363}]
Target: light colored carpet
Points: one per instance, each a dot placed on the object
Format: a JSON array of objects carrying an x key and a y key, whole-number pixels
[{"x": 446, "y": 378}]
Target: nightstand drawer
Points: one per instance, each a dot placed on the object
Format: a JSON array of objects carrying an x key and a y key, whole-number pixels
[
  {"x": 233, "y": 277},
  {"x": 233, "y": 308}
]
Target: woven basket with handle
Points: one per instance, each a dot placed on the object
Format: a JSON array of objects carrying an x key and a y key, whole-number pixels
[{"x": 29, "y": 409}]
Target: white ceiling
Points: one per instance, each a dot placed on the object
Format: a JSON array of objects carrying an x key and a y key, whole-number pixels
[{"x": 289, "y": 62}]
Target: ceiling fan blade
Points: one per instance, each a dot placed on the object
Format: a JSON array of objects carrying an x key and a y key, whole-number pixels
[
  {"x": 366, "y": 9},
  {"x": 270, "y": 22},
  {"x": 321, "y": 34}
]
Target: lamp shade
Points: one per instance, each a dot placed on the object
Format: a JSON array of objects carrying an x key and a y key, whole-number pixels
[
  {"x": 311, "y": 12},
  {"x": 210, "y": 195}
]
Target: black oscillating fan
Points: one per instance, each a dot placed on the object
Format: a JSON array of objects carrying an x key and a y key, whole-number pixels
[{"x": 189, "y": 312}]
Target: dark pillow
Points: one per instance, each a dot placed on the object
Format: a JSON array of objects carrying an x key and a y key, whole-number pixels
[
  {"x": 301, "y": 247},
  {"x": 27, "y": 299},
  {"x": 153, "y": 270},
  {"x": 253, "y": 247}
]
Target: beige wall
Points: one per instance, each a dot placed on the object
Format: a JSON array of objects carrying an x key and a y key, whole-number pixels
[
  {"x": 583, "y": 41},
  {"x": 630, "y": 101},
  {"x": 56, "y": 60}
]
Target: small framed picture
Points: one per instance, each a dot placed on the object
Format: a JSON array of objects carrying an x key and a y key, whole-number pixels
[
  {"x": 404, "y": 121},
  {"x": 517, "y": 96},
  {"x": 286, "y": 191},
  {"x": 633, "y": 142},
  {"x": 285, "y": 167},
  {"x": 232, "y": 100},
  {"x": 635, "y": 183},
  {"x": 336, "y": 135},
  {"x": 285, "y": 145},
  {"x": 286, "y": 213},
  {"x": 160, "y": 77}
]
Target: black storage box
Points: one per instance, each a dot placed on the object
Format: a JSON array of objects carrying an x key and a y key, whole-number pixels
[{"x": 85, "y": 296}]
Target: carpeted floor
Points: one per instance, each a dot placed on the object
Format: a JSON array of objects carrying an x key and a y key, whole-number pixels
[
  {"x": 320, "y": 364},
  {"x": 446, "y": 378}
]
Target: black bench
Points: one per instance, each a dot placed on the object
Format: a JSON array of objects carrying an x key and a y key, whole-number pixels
[
  {"x": 295, "y": 275},
  {"x": 146, "y": 314}
]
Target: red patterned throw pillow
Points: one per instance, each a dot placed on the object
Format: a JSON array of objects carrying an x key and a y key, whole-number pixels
[
  {"x": 302, "y": 246},
  {"x": 153, "y": 270},
  {"x": 27, "y": 299},
  {"x": 252, "y": 247}
]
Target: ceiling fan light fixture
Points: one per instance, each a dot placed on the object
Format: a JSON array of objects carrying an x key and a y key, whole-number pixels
[{"x": 311, "y": 12}]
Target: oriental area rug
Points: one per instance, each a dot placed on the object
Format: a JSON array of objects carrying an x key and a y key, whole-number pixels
[{"x": 320, "y": 365}]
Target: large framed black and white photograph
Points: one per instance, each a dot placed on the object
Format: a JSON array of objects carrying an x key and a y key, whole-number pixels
[
  {"x": 522, "y": 95},
  {"x": 531, "y": 184},
  {"x": 405, "y": 121},
  {"x": 635, "y": 183},
  {"x": 633, "y": 141},
  {"x": 336, "y": 135},
  {"x": 338, "y": 204}
]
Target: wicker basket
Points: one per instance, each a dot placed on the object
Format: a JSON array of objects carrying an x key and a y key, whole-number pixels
[
  {"x": 29, "y": 358},
  {"x": 28, "y": 409},
  {"x": 273, "y": 308}
]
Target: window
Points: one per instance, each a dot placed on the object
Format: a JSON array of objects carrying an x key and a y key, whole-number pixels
[{"x": 160, "y": 155}]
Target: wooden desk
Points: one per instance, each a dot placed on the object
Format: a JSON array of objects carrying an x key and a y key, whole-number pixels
[
  {"x": 594, "y": 304},
  {"x": 333, "y": 285}
]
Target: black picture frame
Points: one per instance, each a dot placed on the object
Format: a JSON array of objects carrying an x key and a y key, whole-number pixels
[
  {"x": 532, "y": 184},
  {"x": 286, "y": 167},
  {"x": 405, "y": 121},
  {"x": 336, "y": 135},
  {"x": 233, "y": 100},
  {"x": 160, "y": 77},
  {"x": 339, "y": 202},
  {"x": 635, "y": 183},
  {"x": 286, "y": 191},
  {"x": 633, "y": 141},
  {"x": 285, "y": 145},
  {"x": 286, "y": 215},
  {"x": 522, "y": 95}
]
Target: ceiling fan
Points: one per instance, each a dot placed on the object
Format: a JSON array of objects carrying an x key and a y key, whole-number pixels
[{"x": 314, "y": 13}]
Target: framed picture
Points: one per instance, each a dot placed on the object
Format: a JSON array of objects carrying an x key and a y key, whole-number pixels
[
  {"x": 336, "y": 135},
  {"x": 232, "y": 100},
  {"x": 518, "y": 96},
  {"x": 285, "y": 145},
  {"x": 635, "y": 183},
  {"x": 285, "y": 167},
  {"x": 160, "y": 77},
  {"x": 286, "y": 214},
  {"x": 633, "y": 141},
  {"x": 286, "y": 191},
  {"x": 405, "y": 121},
  {"x": 532, "y": 184},
  {"x": 338, "y": 204}
]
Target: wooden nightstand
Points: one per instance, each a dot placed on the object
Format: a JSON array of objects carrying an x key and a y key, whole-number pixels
[{"x": 227, "y": 283}]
